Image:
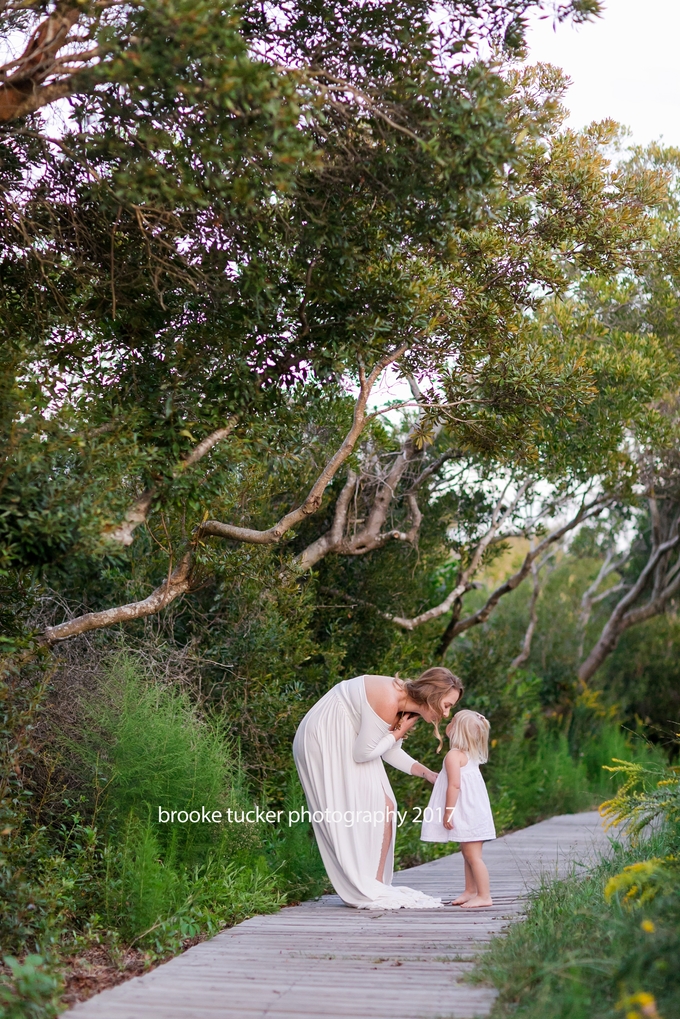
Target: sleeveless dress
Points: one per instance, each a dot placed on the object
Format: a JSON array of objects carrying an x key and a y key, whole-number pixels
[
  {"x": 472, "y": 817},
  {"x": 339, "y": 749}
]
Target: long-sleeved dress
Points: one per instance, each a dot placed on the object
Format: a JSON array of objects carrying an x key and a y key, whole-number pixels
[{"x": 339, "y": 749}]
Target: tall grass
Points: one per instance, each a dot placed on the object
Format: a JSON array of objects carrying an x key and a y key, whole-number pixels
[
  {"x": 140, "y": 746},
  {"x": 557, "y": 770},
  {"x": 578, "y": 956},
  {"x": 293, "y": 849},
  {"x": 144, "y": 746}
]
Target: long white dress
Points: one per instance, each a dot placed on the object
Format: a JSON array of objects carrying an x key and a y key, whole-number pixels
[{"x": 339, "y": 749}]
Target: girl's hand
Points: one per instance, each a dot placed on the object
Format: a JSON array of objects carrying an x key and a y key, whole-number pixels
[
  {"x": 405, "y": 723},
  {"x": 448, "y": 818}
]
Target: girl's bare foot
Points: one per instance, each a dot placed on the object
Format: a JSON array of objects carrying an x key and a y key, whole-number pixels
[
  {"x": 476, "y": 901},
  {"x": 463, "y": 897}
]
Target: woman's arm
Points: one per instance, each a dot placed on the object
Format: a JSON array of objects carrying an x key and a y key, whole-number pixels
[
  {"x": 398, "y": 758},
  {"x": 370, "y": 744},
  {"x": 421, "y": 771},
  {"x": 452, "y": 762}
]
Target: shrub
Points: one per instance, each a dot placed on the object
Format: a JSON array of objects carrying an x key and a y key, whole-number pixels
[
  {"x": 113, "y": 867},
  {"x": 29, "y": 990}
]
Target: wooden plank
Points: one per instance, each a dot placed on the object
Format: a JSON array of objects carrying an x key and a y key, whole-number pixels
[{"x": 323, "y": 959}]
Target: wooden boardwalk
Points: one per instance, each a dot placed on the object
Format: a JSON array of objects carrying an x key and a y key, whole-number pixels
[{"x": 321, "y": 959}]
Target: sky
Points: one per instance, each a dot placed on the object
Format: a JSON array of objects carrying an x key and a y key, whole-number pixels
[{"x": 625, "y": 65}]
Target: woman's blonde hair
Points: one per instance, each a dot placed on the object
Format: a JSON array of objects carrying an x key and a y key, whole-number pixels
[
  {"x": 469, "y": 731},
  {"x": 429, "y": 691}
]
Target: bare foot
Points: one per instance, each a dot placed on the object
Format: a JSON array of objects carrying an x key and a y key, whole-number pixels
[
  {"x": 463, "y": 897},
  {"x": 476, "y": 902}
]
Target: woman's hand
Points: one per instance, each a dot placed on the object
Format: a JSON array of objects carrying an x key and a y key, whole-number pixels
[
  {"x": 420, "y": 771},
  {"x": 405, "y": 723}
]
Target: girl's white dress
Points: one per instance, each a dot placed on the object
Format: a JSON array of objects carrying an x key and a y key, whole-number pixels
[
  {"x": 472, "y": 817},
  {"x": 339, "y": 749}
]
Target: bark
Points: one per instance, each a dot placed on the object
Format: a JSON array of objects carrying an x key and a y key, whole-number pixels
[
  {"x": 123, "y": 533},
  {"x": 523, "y": 656},
  {"x": 665, "y": 585},
  {"x": 311, "y": 504},
  {"x": 371, "y": 536},
  {"x": 448, "y": 633},
  {"x": 592, "y": 595},
  {"x": 178, "y": 583},
  {"x": 23, "y": 91}
]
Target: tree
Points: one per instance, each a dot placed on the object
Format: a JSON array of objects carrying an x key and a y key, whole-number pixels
[
  {"x": 208, "y": 233},
  {"x": 72, "y": 49},
  {"x": 646, "y": 568},
  {"x": 649, "y": 570}
]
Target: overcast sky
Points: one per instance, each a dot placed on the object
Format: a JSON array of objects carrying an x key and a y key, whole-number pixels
[{"x": 625, "y": 65}]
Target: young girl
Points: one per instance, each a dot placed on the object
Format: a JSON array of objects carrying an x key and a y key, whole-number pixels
[{"x": 459, "y": 808}]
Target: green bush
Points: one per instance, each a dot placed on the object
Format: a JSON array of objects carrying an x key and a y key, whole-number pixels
[
  {"x": 143, "y": 745},
  {"x": 579, "y": 956},
  {"x": 29, "y": 990},
  {"x": 294, "y": 852},
  {"x": 156, "y": 901},
  {"x": 112, "y": 868}
]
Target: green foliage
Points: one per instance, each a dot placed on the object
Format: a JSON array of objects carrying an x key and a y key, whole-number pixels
[
  {"x": 643, "y": 675},
  {"x": 645, "y": 795},
  {"x": 142, "y": 746},
  {"x": 603, "y": 944},
  {"x": 30, "y": 990},
  {"x": 293, "y": 850},
  {"x": 23, "y": 903},
  {"x": 153, "y": 898},
  {"x": 100, "y": 866},
  {"x": 578, "y": 956},
  {"x": 243, "y": 228}
]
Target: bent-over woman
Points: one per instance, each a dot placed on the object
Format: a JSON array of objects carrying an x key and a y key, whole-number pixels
[{"x": 339, "y": 749}]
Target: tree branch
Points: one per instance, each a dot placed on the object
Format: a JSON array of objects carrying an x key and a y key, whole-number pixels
[
  {"x": 523, "y": 656},
  {"x": 590, "y": 596},
  {"x": 371, "y": 536},
  {"x": 21, "y": 93},
  {"x": 178, "y": 583},
  {"x": 498, "y": 518},
  {"x": 314, "y": 498},
  {"x": 481, "y": 616},
  {"x": 123, "y": 533},
  {"x": 623, "y": 615}
]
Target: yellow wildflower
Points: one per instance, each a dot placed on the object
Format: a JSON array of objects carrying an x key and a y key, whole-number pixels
[{"x": 644, "y": 1006}]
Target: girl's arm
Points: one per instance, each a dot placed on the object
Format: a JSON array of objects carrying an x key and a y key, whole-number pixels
[{"x": 453, "y": 762}]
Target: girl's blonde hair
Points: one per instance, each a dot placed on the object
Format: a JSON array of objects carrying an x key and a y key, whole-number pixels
[
  {"x": 430, "y": 689},
  {"x": 469, "y": 731}
]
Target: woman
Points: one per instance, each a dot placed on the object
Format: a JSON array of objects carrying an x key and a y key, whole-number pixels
[{"x": 339, "y": 750}]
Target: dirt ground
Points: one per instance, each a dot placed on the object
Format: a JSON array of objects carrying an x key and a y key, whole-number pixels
[{"x": 98, "y": 968}]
